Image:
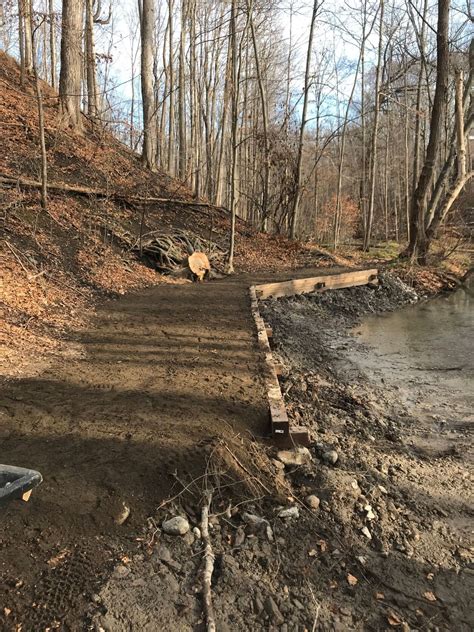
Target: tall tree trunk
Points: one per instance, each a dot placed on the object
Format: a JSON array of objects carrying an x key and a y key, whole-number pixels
[
  {"x": 233, "y": 164},
  {"x": 172, "y": 93},
  {"x": 147, "y": 25},
  {"x": 373, "y": 147},
  {"x": 297, "y": 196},
  {"x": 70, "y": 77},
  {"x": 52, "y": 42},
  {"x": 264, "y": 105},
  {"x": 91, "y": 74},
  {"x": 181, "y": 93},
  {"x": 418, "y": 246},
  {"x": 39, "y": 102}
]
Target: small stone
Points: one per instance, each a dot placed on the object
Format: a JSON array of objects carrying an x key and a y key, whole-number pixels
[
  {"x": 298, "y": 456},
  {"x": 331, "y": 457},
  {"x": 253, "y": 519},
  {"x": 163, "y": 554},
  {"x": 197, "y": 533},
  {"x": 290, "y": 512},
  {"x": 120, "y": 572},
  {"x": 313, "y": 502},
  {"x": 239, "y": 537},
  {"x": 369, "y": 512},
  {"x": 366, "y": 532},
  {"x": 257, "y": 605},
  {"x": 176, "y": 526},
  {"x": 122, "y": 515},
  {"x": 278, "y": 464},
  {"x": 273, "y": 611}
]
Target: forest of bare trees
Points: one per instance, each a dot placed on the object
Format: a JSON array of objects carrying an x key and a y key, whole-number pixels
[{"x": 315, "y": 120}]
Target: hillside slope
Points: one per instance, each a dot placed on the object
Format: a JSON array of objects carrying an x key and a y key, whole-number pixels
[{"x": 53, "y": 264}]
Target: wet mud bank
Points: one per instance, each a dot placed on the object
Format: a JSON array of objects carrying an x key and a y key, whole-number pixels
[{"x": 392, "y": 450}]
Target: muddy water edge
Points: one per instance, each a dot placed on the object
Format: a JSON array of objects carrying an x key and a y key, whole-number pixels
[{"x": 384, "y": 378}]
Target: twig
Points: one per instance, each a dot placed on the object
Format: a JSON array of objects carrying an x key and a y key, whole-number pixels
[
  {"x": 208, "y": 565},
  {"x": 17, "y": 257},
  {"x": 245, "y": 469},
  {"x": 170, "y": 500}
]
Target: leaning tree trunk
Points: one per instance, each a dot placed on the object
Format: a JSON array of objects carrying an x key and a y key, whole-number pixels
[
  {"x": 71, "y": 62},
  {"x": 419, "y": 243}
]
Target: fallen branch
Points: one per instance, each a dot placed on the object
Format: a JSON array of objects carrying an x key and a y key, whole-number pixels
[
  {"x": 99, "y": 194},
  {"x": 208, "y": 568}
]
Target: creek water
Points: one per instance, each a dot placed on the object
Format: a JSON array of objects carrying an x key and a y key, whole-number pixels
[{"x": 426, "y": 352}]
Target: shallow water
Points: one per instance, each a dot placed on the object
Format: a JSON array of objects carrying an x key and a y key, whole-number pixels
[{"x": 426, "y": 351}]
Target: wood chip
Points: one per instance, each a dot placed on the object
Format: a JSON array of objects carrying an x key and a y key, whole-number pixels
[
  {"x": 352, "y": 580},
  {"x": 429, "y": 595},
  {"x": 393, "y": 619}
]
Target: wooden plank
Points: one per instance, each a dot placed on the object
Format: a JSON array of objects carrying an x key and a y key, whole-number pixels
[
  {"x": 314, "y": 284},
  {"x": 280, "y": 425}
]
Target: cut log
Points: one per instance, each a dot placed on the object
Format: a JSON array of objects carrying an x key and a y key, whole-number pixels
[{"x": 199, "y": 265}]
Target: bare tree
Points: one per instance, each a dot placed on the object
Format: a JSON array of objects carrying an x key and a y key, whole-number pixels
[
  {"x": 419, "y": 244},
  {"x": 70, "y": 77},
  {"x": 147, "y": 24},
  {"x": 297, "y": 195}
]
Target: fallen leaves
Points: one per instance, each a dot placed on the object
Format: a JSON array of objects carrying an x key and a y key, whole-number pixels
[
  {"x": 352, "y": 580},
  {"x": 59, "y": 558},
  {"x": 393, "y": 619}
]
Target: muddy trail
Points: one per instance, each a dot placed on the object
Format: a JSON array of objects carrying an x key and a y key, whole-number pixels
[
  {"x": 161, "y": 372},
  {"x": 158, "y": 375},
  {"x": 359, "y": 532}
]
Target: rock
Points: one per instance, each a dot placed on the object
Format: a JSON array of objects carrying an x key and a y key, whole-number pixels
[
  {"x": 278, "y": 464},
  {"x": 163, "y": 554},
  {"x": 176, "y": 526},
  {"x": 253, "y": 519},
  {"x": 189, "y": 538},
  {"x": 197, "y": 533},
  {"x": 367, "y": 533},
  {"x": 331, "y": 457},
  {"x": 120, "y": 572},
  {"x": 313, "y": 502},
  {"x": 289, "y": 512},
  {"x": 298, "y": 456},
  {"x": 257, "y": 605},
  {"x": 273, "y": 611},
  {"x": 239, "y": 537},
  {"x": 369, "y": 514},
  {"x": 269, "y": 532},
  {"x": 122, "y": 515}
]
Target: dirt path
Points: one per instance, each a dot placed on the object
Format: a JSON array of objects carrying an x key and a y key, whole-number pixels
[{"x": 163, "y": 371}]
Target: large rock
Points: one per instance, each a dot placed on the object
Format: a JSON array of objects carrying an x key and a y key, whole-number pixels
[
  {"x": 297, "y": 456},
  {"x": 176, "y": 526}
]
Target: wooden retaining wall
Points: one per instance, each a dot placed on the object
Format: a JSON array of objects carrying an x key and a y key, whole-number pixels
[{"x": 281, "y": 429}]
